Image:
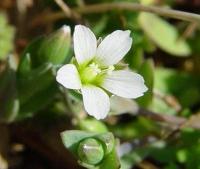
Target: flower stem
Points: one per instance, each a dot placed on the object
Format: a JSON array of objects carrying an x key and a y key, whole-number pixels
[
  {"x": 103, "y": 7},
  {"x": 67, "y": 102}
]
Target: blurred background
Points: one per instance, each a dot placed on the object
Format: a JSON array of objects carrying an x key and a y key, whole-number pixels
[{"x": 161, "y": 129}]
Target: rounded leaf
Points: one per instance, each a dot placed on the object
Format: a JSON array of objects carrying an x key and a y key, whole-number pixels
[{"x": 163, "y": 34}]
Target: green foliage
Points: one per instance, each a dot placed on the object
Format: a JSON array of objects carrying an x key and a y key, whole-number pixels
[
  {"x": 38, "y": 65},
  {"x": 147, "y": 71},
  {"x": 92, "y": 125},
  {"x": 53, "y": 48},
  {"x": 164, "y": 35},
  {"x": 9, "y": 102},
  {"x": 34, "y": 96},
  {"x": 180, "y": 84},
  {"x": 34, "y": 86},
  {"x": 134, "y": 157},
  {"x": 6, "y": 37},
  {"x": 102, "y": 154},
  {"x": 29, "y": 88},
  {"x": 134, "y": 129},
  {"x": 184, "y": 151}
]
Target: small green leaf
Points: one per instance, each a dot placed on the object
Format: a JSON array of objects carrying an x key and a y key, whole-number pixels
[
  {"x": 107, "y": 140},
  {"x": 147, "y": 71},
  {"x": 99, "y": 25},
  {"x": 163, "y": 34},
  {"x": 72, "y": 138},
  {"x": 182, "y": 85},
  {"x": 182, "y": 155},
  {"x": 25, "y": 65},
  {"x": 6, "y": 37},
  {"x": 92, "y": 125},
  {"x": 135, "y": 58},
  {"x": 36, "y": 90},
  {"x": 110, "y": 161},
  {"x": 9, "y": 102},
  {"x": 29, "y": 58}
]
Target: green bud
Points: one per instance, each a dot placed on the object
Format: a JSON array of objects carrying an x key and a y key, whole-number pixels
[
  {"x": 56, "y": 46},
  {"x": 90, "y": 151},
  {"x": 92, "y": 125},
  {"x": 53, "y": 49}
]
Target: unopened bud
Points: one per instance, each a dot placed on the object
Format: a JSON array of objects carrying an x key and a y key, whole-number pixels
[
  {"x": 55, "y": 47},
  {"x": 90, "y": 151}
]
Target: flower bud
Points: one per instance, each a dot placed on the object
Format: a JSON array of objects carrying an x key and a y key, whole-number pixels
[
  {"x": 53, "y": 49},
  {"x": 56, "y": 46},
  {"x": 90, "y": 151}
]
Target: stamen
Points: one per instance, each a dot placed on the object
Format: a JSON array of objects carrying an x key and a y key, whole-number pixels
[
  {"x": 95, "y": 68},
  {"x": 108, "y": 70}
]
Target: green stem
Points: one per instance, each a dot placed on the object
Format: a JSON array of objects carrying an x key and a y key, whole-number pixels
[{"x": 67, "y": 102}]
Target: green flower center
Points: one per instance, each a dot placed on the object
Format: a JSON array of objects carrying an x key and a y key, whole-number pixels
[{"x": 92, "y": 73}]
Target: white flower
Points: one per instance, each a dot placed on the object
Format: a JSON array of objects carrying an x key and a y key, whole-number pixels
[{"x": 94, "y": 74}]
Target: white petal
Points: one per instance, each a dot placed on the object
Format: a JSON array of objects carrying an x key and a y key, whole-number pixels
[
  {"x": 85, "y": 44},
  {"x": 96, "y": 101},
  {"x": 121, "y": 105},
  {"x": 114, "y": 47},
  {"x": 125, "y": 84},
  {"x": 68, "y": 76}
]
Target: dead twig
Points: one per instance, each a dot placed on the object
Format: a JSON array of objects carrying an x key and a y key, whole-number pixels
[
  {"x": 175, "y": 120},
  {"x": 105, "y": 7},
  {"x": 189, "y": 31},
  {"x": 67, "y": 11}
]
